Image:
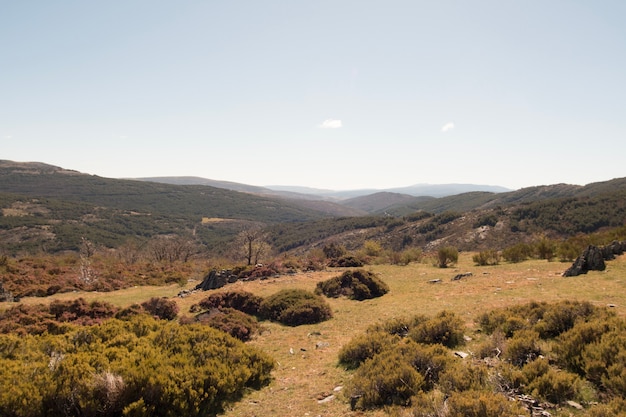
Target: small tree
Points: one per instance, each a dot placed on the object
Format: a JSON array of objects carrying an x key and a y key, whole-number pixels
[
  {"x": 447, "y": 255},
  {"x": 252, "y": 243}
]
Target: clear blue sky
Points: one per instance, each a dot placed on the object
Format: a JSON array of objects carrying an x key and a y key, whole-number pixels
[{"x": 328, "y": 94}]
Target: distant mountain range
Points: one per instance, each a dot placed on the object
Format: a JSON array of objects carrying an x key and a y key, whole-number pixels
[{"x": 417, "y": 190}]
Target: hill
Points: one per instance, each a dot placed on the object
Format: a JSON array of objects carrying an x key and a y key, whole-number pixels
[
  {"x": 53, "y": 208},
  {"x": 42, "y": 202}
]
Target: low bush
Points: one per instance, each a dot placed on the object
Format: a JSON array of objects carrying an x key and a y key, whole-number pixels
[
  {"x": 482, "y": 404},
  {"x": 237, "y": 324},
  {"x": 295, "y": 307},
  {"x": 385, "y": 379},
  {"x": 347, "y": 261},
  {"x": 445, "y": 328},
  {"x": 356, "y": 285},
  {"x": 446, "y": 256},
  {"x": 522, "y": 348},
  {"x": 135, "y": 367},
  {"x": 161, "y": 307},
  {"x": 364, "y": 347},
  {"x": 243, "y": 301},
  {"x": 487, "y": 257}
]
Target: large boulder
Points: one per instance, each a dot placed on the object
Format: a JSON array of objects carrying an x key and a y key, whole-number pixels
[
  {"x": 216, "y": 279},
  {"x": 592, "y": 259}
]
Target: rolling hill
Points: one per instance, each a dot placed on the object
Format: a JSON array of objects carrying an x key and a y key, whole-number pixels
[{"x": 49, "y": 207}]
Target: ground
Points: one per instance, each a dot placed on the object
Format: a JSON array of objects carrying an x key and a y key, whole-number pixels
[{"x": 306, "y": 356}]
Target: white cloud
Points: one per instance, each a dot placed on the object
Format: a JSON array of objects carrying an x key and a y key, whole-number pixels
[
  {"x": 331, "y": 124},
  {"x": 447, "y": 127}
]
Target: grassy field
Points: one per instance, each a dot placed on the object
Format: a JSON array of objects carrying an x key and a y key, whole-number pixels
[{"x": 306, "y": 356}]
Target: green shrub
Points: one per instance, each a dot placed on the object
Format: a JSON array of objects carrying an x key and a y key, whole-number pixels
[
  {"x": 486, "y": 220},
  {"x": 385, "y": 379},
  {"x": 445, "y": 328},
  {"x": 522, "y": 348},
  {"x": 572, "y": 343},
  {"x": 347, "y": 261},
  {"x": 461, "y": 376},
  {"x": 482, "y": 404},
  {"x": 447, "y": 255},
  {"x": 560, "y": 317},
  {"x": 295, "y": 307},
  {"x": 243, "y": 301},
  {"x": 517, "y": 253},
  {"x": 487, "y": 257},
  {"x": 429, "y": 360},
  {"x": 556, "y": 386},
  {"x": 356, "y": 285},
  {"x": 365, "y": 346},
  {"x": 399, "y": 325},
  {"x": 112, "y": 370}
]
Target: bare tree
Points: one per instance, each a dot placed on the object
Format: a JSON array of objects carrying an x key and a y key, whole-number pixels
[
  {"x": 252, "y": 242},
  {"x": 171, "y": 248}
]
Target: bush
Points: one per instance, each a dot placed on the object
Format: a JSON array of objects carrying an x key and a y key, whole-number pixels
[
  {"x": 356, "y": 285},
  {"x": 445, "y": 328},
  {"x": 385, "y": 379},
  {"x": 161, "y": 307},
  {"x": 347, "y": 261},
  {"x": 295, "y": 307},
  {"x": 522, "y": 348},
  {"x": 482, "y": 404},
  {"x": 239, "y": 300},
  {"x": 517, "y": 253},
  {"x": 111, "y": 370},
  {"x": 447, "y": 255},
  {"x": 463, "y": 377},
  {"x": 555, "y": 386},
  {"x": 487, "y": 257},
  {"x": 237, "y": 324},
  {"x": 429, "y": 360},
  {"x": 561, "y": 317},
  {"x": 364, "y": 347}
]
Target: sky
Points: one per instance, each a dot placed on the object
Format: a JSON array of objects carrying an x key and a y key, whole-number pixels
[{"x": 325, "y": 94}]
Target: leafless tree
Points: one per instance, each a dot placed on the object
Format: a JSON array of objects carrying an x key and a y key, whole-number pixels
[
  {"x": 252, "y": 242},
  {"x": 171, "y": 248}
]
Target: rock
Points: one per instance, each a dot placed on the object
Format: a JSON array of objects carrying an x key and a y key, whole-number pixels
[
  {"x": 216, "y": 279},
  {"x": 326, "y": 400},
  {"x": 460, "y": 276},
  {"x": 591, "y": 259},
  {"x": 434, "y": 281},
  {"x": 575, "y": 405},
  {"x": 461, "y": 355}
]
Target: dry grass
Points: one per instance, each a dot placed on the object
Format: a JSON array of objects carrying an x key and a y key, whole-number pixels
[{"x": 311, "y": 373}]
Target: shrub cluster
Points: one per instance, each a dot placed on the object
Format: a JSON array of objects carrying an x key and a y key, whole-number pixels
[
  {"x": 54, "y": 318},
  {"x": 137, "y": 367},
  {"x": 356, "y": 285},
  {"x": 295, "y": 307},
  {"x": 231, "y": 321},
  {"x": 290, "y": 307},
  {"x": 400, "y": 358},
  {"x": 161, "y": 307},
  {"x": 243, "y": 301},
  {"x": 553, "y": 353}
]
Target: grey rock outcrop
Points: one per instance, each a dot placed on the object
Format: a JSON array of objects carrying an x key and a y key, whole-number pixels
[
  {"x": 592, "y": 259},
  {"x": 216, "y": 279}
]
